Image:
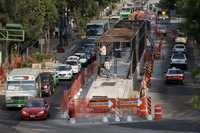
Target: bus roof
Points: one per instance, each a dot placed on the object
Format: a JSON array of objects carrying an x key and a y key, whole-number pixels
[
  {"x": 24, "y": 71},
  {"x": 98, "y": 22}
]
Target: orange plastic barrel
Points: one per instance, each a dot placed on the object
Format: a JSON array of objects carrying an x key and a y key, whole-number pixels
[{"x": 158, "y": 112}]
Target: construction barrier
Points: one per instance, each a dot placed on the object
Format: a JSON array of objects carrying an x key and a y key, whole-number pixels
[
  {"x": 158, "y": 112},
  {"x": 158, "y": 50},
  {"x": 78, "y": 83},
  {"x": 149, "y": 105},
  {"x": 115, "y": 109},
  {"x": 145, "y": 109}
]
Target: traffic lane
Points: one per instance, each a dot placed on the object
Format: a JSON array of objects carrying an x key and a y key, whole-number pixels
[
  {"x": 11, "y": 117},
  {"x": 8, "y": 117},
  {"x": 165, "y": 126},
  {"x": 7, "y": 129},
  {"x": 175, "y": 99}
]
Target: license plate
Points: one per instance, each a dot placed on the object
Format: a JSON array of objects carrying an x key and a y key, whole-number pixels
[{"x": 32, "y": 116}]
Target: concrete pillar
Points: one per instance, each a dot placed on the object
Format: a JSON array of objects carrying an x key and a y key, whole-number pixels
[{"x": 137, "y": 55}]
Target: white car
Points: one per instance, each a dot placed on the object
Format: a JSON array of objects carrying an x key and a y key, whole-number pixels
[
  {"x": 179, "y": 48},
  {"x": 179, "y": 60},
  {"x": 76, "y": 66},
  {"x": 73, "y": 58},
  {"x": 181, "y": 39},
  {"x": 82, "y": 57},
  {"x": 64, "y": 71}
]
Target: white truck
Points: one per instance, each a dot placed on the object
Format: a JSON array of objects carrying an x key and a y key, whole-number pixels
[{"x": 22, "y": 84}]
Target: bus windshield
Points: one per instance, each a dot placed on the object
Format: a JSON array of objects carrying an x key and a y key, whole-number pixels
[
  {"x": 21, "y": 85},
  {"x": 94, "y": 30}
]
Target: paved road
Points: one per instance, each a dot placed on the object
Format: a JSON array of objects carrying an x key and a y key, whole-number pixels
[{"x": 175, "y": 99}]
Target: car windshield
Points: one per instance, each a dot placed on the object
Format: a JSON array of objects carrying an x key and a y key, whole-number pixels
[
  {"x": 64, "y": 68},
  {"x": 71, "y": 63},
  {"x": 73, "y": 58},
  {"x": 45, "y": 77},
  {"x": 21, "y": 85},
  {"x": 175, "y": 72},
  {"x": 35, "y": 104},
  {"x": 126, "y": 10},
  {"x": 178, "y": 56},
  {"x": 94, "y": 30}
]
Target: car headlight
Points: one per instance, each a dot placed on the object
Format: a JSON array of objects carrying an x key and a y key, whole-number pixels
[
  {"x": 41, "y": 112},
  {"x": 24, "y": 112}
]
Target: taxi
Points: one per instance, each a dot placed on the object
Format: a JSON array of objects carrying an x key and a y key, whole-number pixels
[{"x": 174, "y": 75}]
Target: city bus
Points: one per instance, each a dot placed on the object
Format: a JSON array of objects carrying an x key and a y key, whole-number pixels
[
  {"x": 97, "y": 28},
  {"x": 126, "y": 12},
  {"x": 22, "y": 84}
]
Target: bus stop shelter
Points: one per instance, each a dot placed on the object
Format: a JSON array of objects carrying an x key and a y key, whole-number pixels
[{"x": 116, "y": 46}]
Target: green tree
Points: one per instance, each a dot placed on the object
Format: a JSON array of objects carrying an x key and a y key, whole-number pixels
[
  {"x": 190, "y": 10},
  {"x": 36, "y": 15}
]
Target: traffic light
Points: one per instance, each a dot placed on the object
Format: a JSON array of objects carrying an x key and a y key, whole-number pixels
[{"x": 163, "y": 13}]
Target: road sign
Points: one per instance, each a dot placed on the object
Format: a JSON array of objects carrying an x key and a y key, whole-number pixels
[
  {"x": 132, "y": 102},
  {"x": 12, "y": 32},
  {"x": 102, "y": 104}
]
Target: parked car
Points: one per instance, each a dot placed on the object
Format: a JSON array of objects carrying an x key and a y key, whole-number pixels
[
  {"x": 82, "y": 58},
  {"x": 75, "y": 65},
  {"x": 174, "y": 74},
  {"x": 47, "y": 83},
  {"x": 178, "y": 60},
  {"x": 36, "y": 108},
  {"x": 64, "y": 72}
]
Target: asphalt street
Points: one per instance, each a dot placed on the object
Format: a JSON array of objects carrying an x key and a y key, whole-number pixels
[{"x": 178, "y": 116}]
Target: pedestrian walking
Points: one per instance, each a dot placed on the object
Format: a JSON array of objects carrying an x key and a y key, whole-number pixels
[{"x": 56, "y": 32}]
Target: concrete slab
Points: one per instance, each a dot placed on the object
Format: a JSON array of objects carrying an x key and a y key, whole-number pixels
[{"x": 112, "y": 88}]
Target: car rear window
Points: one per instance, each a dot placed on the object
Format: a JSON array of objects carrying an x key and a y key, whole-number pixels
[
  {"x": 175, "y": 72},
  {"x": 178, "y": 56},
  {"x": 179, "y": 46}
]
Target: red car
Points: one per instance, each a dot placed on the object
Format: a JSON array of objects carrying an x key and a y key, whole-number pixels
[
  {"x": 174, "y": 74},
  {"x": 36, "y": 108}
]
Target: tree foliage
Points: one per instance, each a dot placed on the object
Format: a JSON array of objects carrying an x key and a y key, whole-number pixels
[
  {"x": 190, "y": 10},
  {"x": 34, "y": 15}
]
